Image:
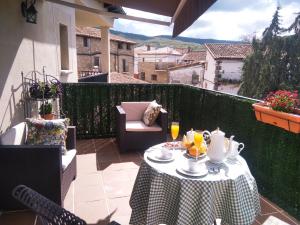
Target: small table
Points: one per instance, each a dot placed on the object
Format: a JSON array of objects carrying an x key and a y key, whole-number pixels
[{"x": 163, "y": 196}]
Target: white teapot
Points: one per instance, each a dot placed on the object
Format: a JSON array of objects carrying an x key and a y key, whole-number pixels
[{"x": 217, "y": 151}]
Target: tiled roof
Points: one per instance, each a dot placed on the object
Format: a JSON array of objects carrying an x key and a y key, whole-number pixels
[
  {"x": 161, "y": 51},
  {"x": 195, "y": 56},
  {"x": 185, "y": 65},
  {"x": 96, "y": 33},
  {"x": 123, "y": 78},
  {"x": 229, "y": 51}
]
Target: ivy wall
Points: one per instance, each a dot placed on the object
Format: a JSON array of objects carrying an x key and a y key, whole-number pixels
[{"x": 271, "y": 153}]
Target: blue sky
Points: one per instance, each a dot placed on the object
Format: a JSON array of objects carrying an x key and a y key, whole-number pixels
[{"x": 226, "y": 19}]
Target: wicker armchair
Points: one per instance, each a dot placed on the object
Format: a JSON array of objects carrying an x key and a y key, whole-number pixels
[
  {"x": 48, "y": 212},
  {"x": 132, "y": 133}
]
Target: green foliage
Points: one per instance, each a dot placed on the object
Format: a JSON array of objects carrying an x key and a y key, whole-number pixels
[
  {"x": 45, "y": 109},
  {"x": 271, "y": 153},
  {"x": 274, "y": 64}
]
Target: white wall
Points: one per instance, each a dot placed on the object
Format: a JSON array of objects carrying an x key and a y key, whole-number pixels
[
  {"x": 184, "y": 75},
  {"x": 232, "y": 69},
  {"x": 158, "y": 58},
  {"x": 209, "y": 73},
  {"x": 26, "y": 47}
]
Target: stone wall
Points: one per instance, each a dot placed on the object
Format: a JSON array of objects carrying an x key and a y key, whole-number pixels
[
  {"x": 85, "y": 55},
  {"x": 148, "y": 68}
]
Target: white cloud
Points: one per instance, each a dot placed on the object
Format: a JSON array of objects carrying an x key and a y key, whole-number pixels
[{"x": 217, "y": 23}]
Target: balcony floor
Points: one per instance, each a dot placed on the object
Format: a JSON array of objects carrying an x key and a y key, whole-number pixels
[{"x": 103, "y": 186}]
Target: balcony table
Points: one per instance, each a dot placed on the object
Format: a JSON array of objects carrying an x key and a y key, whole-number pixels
[{"x": 162, "y": 196}]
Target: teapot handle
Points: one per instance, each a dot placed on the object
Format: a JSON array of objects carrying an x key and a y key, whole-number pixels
[
  {"x": 241, "y": 147},
  {"x": 206, "y": 135}
]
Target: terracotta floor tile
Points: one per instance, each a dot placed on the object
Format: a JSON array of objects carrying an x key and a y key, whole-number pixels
[
  {"x": 131, "y": 165},
  {"x": 120, "y": 206},
  {"x": 271, "y": 203},
  {"x": 266, "y": 207},
  {"x": 118, "y": 189},
  {"x": 95, "y": 212},
  {"x": 89, "y": 179},
  {"x": 18, "y": 218},
  {"x": 88, "y": 194},
  {"x": 108, "y": 156},
  {"x": 86, "y": 164},
  {"x": 111, "y": 166},
  {"x": 256, "y": 223},
  {"x": 132, "y": 173},
  {"x": 115, "y": 176},
  {"x": 131, "y": 157},
  {"x": 280, "y": 216}
]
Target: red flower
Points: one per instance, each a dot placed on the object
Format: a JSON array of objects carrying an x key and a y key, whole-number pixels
[{"x": 282, "y": 100}]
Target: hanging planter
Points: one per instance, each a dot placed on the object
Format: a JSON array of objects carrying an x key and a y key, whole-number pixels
[{"x": 279, "y": 109}]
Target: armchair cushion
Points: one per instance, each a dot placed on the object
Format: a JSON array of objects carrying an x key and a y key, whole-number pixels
[
  {"x": 151, "y": 113},
  {"x": 15, "y": 135},
  {"x": 139, "y": 126},
  {"x": 47, "y": 132},
  {"x": 68, "y": 157},
  {"x": 134, "y": 110}
]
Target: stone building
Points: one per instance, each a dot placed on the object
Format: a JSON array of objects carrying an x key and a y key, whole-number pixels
[
  {"x": 88, "y": 43},
  {"x": 153, "y": 64}
]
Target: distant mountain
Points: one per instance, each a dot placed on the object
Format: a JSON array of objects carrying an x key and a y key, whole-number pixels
[{"x": 166, "y": 40}]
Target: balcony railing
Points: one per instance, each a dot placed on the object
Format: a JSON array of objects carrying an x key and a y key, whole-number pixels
[{"x": 272, "y": 153}]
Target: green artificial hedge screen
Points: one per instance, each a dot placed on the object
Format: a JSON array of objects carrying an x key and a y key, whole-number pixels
[{"x": 271, "y": 153}]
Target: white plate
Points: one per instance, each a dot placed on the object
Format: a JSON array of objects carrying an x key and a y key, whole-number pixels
[
  {"x": 154, "y": 156},
  {"x": 202, "y": 172},
  {"x": 199, "y": 157}
]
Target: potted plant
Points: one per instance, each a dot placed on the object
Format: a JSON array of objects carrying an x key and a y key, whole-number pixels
[
  {"x": 280, "y": 109},
  {"x": 40, "y": 90},
  {"x": 46, "y": 111}
]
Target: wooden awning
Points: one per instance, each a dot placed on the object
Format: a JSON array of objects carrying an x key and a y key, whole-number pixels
[{"x": 183, "y": 12}]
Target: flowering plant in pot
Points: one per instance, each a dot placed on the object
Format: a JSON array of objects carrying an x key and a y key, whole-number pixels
[
  {"x": 282, "y": 100},
  {"x": 46, "y": 111},
  {"x": 45, "y": 90},
  {"x": 280, "y": 109}
]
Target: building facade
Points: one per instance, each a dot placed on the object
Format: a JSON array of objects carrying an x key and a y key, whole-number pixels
[
  {"x": 48, "y": 44},
  {"x": 191, "y": 74},
  {"x": 153, "y": 65},
  {"x": 224, "y": 66},
  {"x": 88, "y": 42}
]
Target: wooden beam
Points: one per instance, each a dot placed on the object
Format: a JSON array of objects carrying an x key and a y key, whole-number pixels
[
  {"x": 109, "y": 14},
  {"x": 178, "y": 10}
]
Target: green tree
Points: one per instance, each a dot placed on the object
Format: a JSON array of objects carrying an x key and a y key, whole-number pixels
[{"x": 274, "y": 63}]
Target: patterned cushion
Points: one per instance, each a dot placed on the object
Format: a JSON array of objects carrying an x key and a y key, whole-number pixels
[
  {"x": 151, "y": 113},
  {"x": 47, "y": 132}
]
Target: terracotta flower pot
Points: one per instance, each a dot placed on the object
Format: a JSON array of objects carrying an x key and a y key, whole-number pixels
[
  {"x": 48, "y": 116},
  {"x": 287, "y": 121}
]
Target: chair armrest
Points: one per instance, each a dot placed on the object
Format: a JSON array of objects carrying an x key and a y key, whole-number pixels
[
  {"x": 162, "y": 119},
  {"x": 37, "y": 166},
  {"x": 121, "y": 118},
  {"x": 71, "y": 138}
]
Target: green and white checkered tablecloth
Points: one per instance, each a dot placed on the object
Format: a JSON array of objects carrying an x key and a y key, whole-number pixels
[{"x": 162, "y": 196}]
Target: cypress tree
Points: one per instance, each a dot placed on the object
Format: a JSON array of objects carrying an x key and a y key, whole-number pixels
[{"x": 274, "y": 63}]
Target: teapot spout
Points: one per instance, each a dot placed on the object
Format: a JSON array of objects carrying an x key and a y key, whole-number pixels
[{"x": 229, "y": 146}]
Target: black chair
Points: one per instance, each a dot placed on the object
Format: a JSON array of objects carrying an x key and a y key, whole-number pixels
[{"x": 47, "y": 211}]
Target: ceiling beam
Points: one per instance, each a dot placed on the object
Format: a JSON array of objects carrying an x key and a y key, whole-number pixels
[
  {"x": 178, "y": 10},
  {"x": 110, "y": 14}
]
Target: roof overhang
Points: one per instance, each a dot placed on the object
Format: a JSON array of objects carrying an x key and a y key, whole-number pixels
[{"x": 183, "y": 13}]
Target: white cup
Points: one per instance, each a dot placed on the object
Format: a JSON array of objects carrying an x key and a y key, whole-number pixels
[
  {"x": 165, "y": 153},
  {"x": 193, "y": 165},
  {"x": 235, "y": 150}
]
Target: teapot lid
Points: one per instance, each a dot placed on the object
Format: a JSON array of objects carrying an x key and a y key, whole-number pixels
[{"x": 218, "y": 132}]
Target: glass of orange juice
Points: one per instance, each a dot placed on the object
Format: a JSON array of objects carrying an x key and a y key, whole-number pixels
[
  {"x": 198, "y": 140},
  {"x": 174, "y": 130}
]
